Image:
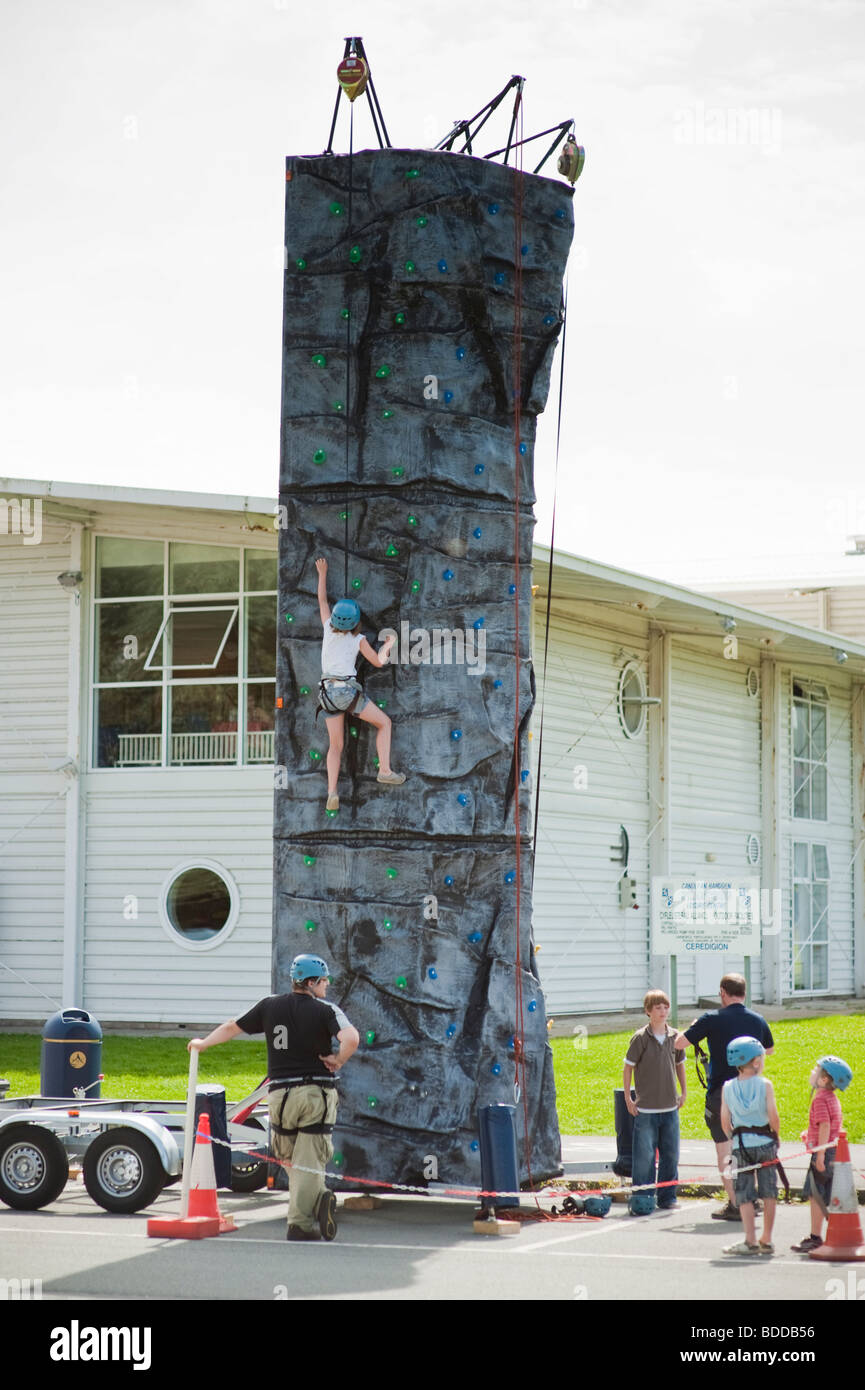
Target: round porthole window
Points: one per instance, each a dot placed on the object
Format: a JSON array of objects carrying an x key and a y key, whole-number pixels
[
  {"x": 199, "y": 905},
  {"x": 631, "y": 694}
]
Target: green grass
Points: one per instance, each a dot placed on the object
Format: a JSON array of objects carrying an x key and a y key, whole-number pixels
[
  {"x": 588, "y": 1069},
  {"x": 586, "y": 1075}
]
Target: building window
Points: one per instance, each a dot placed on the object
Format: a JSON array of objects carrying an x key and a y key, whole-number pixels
[
  {"x": 810, "y": 757},
  {"x": 631, "y": 697},
  {"x": 199, "y": 905},
  {"x": 185, "y": 654},
  {"x": 810, "y": 953}
]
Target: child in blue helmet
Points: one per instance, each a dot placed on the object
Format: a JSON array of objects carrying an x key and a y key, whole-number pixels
[
  {"x": 749, "y": 1116},
  {"x": 341, "y": 693},
  {"x": 824, "y": 1125}
]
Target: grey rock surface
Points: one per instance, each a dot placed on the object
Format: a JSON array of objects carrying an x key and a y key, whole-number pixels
[{"x": 401, "y": 466}]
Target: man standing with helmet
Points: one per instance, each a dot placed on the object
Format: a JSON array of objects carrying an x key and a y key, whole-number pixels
[
  {"x": 719, "y": 1027},
  {"x": 299, "y": 1028}
]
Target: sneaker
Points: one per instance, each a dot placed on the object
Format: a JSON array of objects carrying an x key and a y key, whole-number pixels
[
  {"x": 298, "y": 1233},
  {"x": 327, "y": 1215},
  {"x": 391, "y": 779},
  {"x": 807, "y": 1245},
  {"x": 727, "y": 1213},
  {"x": 766, "y": 1248},
  {"x": 332, "y": 803},
  {"x": 743, "y": 1248}
]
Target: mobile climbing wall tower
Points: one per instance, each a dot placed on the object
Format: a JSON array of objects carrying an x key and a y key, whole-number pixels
[{"x": 421, "y": 312}]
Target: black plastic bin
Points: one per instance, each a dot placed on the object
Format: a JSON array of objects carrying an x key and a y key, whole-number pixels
[
  {"x": 210, "y": 1098},
  {"x": 71, "y": 1055},
  {"x": 624, "y": 1122}
]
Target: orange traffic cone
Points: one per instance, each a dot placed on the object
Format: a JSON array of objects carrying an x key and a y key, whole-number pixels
[
  {"x": 204, "y": 1217},
  {"x": 844, "y": 1239}
]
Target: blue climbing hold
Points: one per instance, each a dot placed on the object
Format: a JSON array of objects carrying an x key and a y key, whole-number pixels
[
  {"x": 492, "y": 208},
  {"x": 450, "y": 1030},
  {"x": 477, "y": 533},
  {"x": 499, "y": 277},
  {"x": 449, "y": 395},
  {"x": 510, "y": 877},
  {"x": 497, "y": 685},
  {"x": 512, "y": 588},
  {"x": 456, "y": 735},
  {"x": 479, "y": 468},
  {"x": 475, "y": 936},
  {"x": 524, "y": 448},
  {"x": 496, "y": 1068},
  {"x": 433, "y": 974},
  {"x": 449, "y": 880},
  {"x": 443, "y": 265},
  {"x": 533, "y": 1006},
  {"x": 461, "y": 352},
  {"x": 447, "y": 574},
  {"x": 524, "y": 775},
  {"x": 463, "y": 799}
]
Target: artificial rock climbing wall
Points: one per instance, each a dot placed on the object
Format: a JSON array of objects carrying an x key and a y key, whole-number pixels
[{"x": 398, "y": 431}]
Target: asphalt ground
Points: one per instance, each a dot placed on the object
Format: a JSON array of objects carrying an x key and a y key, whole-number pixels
[{"x": 97, "y": 1267}]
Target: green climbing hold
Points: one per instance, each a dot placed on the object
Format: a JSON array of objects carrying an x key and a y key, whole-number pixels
[
  {"x": 370, "y": 1037},
  {"x": 319, "y": 456},
  {"x": 315, "y": 755},
  {"x": 412, "y": 519},
  {"x": 415, "y": 588},
  {"x": 412, "y": 173},
  {"x": 382, "y": 704},
  {"x": 309, "y": 860},
  {"x": 338, "y": 1160},
  {"x": 311, "y": 926},
  {"x": 345, "y": 313},
  {"x": 339, "y": 406},
  {"x": 421, "y": 221},
  {"x": 383, "y": 371},
  {"x": 353, "y": 731},
  {"x": 391, "y": 873},
  {"x": 410, "y": 267},
  {"x": 391, "y": 551},
  {"x": 355, "y": 254},
  {"x": 372, "y": 1102},
  {"x": 387, "y": 924},
  {"x": 399, "y": 319},
  {"x": 401, "y": 982},
  {"x": 330, "y": 814},
  {"x": 387, "y": 414},
  {"x": 300, "y": 263},
  {"x": 357, "y": 585},
  {"x": 304, "y": 690},
  {"x": 398, "y": 472},
  {"x": 337, "y": 209},
  {"x": 319, "y": 359}
]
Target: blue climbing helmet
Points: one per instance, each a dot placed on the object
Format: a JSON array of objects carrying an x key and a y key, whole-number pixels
[
  {"x": 741, "y": 1051},
  {"x": 839, "y": 1071},
  {"x": 639, "y": 1204},
  {"x": 308, "y": 968},
  {"x": 345, "y": 615}
]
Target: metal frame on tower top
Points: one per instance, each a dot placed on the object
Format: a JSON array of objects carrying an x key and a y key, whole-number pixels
[{"x": 354, "y": 48}]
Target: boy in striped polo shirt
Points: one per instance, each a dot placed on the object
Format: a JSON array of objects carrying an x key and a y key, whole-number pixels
[{"x": 655, "y": 1063}]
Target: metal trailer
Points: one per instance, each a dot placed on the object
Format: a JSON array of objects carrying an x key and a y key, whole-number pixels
[{"x": 128, "y": 1150}]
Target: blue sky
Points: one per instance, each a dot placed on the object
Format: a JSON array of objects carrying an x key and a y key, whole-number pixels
[{"x": 714, "y": 351}]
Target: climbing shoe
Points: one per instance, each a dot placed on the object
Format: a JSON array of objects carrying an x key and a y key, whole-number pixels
[
  {"x": 327, "y": 1215},
  {"x": 391, "y": 779}
]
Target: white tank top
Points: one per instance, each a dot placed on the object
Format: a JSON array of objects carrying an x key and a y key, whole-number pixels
[{"x": 339, "y": 652}]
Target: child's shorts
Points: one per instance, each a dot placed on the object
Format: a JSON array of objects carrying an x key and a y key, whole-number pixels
[
  {"x": 819, "y": 1185},
  {"x": 340, "y": 694},
  {"x": 759, "y": 1182}
]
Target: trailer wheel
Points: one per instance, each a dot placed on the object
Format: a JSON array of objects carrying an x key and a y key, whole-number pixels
[
  {"x": 33, "y": 1167},
  {"x": 248, "y": 1174},
  {"x": 122, "y": 1170}
]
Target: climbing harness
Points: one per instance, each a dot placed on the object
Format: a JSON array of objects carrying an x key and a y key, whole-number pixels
[
  {"x": 337, "y": 696},
  {"x": 320, "y": 1127},
  {"x": 771, "y": 1134}
]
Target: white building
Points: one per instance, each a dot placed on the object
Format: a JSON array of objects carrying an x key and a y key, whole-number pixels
[{"x": 137, "y": 697}]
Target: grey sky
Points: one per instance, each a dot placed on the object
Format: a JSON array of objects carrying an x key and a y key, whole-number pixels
[{"x": 714, "y": 347}]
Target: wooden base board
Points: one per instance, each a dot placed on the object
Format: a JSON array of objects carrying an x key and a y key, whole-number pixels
[
  {"x": 496, "y": 1227},
  {"x": 362, "y": 1203}
]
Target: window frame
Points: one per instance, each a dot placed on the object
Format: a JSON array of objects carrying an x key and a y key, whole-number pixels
[
  {"x": 814, "y": 694},
  {"x": 163, "y": 680},
  {"x": 811, "y": 882},
  {"x": 198, "y": 862}
]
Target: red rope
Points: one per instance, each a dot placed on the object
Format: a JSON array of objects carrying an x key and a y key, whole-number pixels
[{"x": 519, "y": 1056}]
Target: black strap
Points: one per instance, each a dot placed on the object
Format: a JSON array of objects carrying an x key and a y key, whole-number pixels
[
  {"x": 772, "y": 1134},
  {"x": 701, "y": 1059},
  {"x": 320, "y": 1127}
]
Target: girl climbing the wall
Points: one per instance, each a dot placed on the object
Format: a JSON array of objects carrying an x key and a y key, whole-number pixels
[{"x": 341, "y": 693}]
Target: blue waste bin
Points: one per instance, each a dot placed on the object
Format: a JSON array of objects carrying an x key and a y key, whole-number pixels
[
  {"x": 499, "y": 1167},
  {"x": 71, "y": 1055}
]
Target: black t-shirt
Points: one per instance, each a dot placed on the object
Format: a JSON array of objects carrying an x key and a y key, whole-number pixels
[
  {"x": 719, "y": 1027},
  {"x": 298, "y": 1029}
]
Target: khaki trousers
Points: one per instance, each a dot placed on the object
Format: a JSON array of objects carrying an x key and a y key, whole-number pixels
[{"x": 292, "y": 1108}]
